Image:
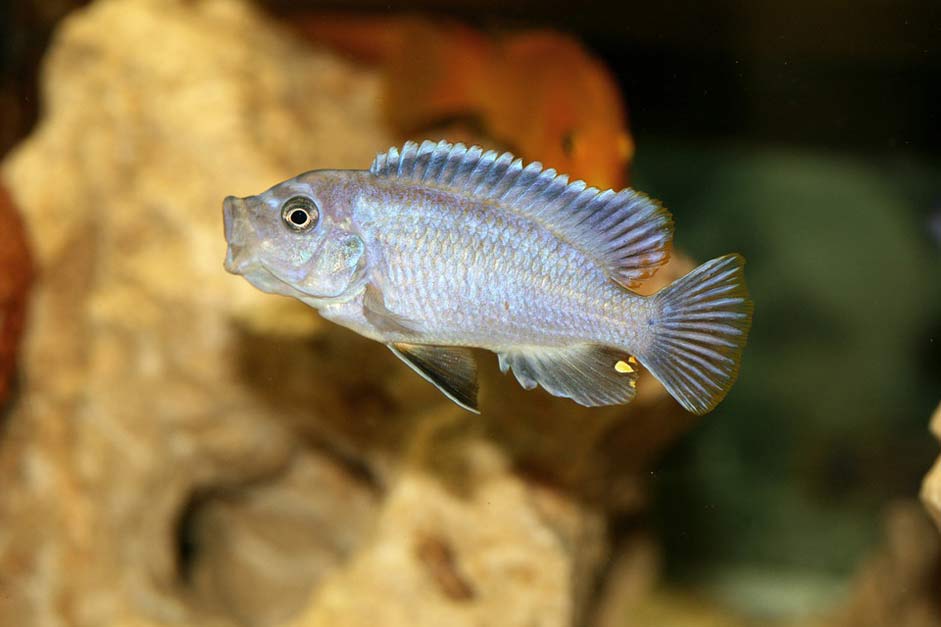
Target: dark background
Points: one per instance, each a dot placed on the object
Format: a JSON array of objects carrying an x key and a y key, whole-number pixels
[{"x": 862, "y": 76}]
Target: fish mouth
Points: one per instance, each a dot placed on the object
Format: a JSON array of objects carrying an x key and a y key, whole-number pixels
[
  {"x": 241, "y": 256},
  {"x": 238, "y": 234},
  {"x": 269, "y": 281}
]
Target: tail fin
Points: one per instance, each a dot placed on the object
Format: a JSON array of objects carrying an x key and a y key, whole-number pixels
[{"x": 700, "y": 324}]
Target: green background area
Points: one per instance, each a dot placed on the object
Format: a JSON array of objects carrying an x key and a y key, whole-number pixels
[{"x": 828, "y": 420}]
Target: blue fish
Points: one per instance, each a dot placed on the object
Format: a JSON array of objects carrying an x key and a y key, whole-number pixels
[{"x": 438, "y": 248}]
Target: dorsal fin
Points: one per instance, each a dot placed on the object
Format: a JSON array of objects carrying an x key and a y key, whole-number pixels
[{"x": 626, "y": 233}]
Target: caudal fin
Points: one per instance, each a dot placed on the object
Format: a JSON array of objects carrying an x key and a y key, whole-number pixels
[{"x": 700, "y": 324}]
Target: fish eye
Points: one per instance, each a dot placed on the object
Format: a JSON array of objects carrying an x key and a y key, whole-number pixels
[{"x": 300, "y": 213}]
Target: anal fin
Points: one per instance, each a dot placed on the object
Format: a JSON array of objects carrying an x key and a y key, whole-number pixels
[
  {"x": 451, "y": 369},
  {"x": 589, "y": 374}
]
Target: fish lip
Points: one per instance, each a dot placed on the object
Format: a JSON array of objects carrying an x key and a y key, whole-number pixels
[
  {"x": 295, "y": 288},
  {"x": 230, "y": 213},
  {"x": 237, "y": 227},
  {"x": 251, "y": 270},
  {"x": 235, "y": 261}
]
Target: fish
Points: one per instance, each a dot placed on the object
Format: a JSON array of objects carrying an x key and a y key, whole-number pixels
[{"x": 438, "y": 249}]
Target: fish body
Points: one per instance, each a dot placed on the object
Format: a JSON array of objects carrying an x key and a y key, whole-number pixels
[
  {"x": 438, "y": 248},
  {"x": 436, "y": 257}
]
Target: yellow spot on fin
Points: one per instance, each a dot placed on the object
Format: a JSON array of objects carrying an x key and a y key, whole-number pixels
[
  {"x": 585, "y": 373},
  {"x": 632, "y": 360},
  {"x": 623, "y": 367}
]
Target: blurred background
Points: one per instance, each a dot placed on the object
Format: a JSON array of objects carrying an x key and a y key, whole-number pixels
[{"x": 805, "y": 135}]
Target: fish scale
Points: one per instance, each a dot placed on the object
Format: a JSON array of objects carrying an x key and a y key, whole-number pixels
[
  {"x": 438, "y": 248},
  {"x": 559, "y": 315}
]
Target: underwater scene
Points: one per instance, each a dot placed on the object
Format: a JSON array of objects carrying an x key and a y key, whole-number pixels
[{"x": 470, "y": 313}]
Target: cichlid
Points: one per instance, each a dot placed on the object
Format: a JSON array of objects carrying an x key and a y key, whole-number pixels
[{"x": 438, "y": 248}]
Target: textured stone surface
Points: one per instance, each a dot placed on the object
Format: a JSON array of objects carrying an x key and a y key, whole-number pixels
[
  {"x": 134, "y": 400},
  {"x": 190, "y": 451},
  {"x": 275, "y": 540},
  {"x": 899, "y": 584},
  {"x": 931, "y": 486},
  {"x": 15, "y": 278},
  {"x": 493, "y": 551}
]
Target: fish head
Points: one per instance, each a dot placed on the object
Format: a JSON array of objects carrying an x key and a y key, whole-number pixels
[{"x": 294, "y": 239}]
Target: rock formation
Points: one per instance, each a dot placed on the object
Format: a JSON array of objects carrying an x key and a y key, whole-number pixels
[
  {"x": 931, "y": 487},
  {"x": 898, "y": 584},
  {"x": 15, "y": 278},
  {"x": 187, "y": 450}
]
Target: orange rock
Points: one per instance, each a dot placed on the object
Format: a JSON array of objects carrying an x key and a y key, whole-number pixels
[
  {"x": 15, "y": 277},
  {"x": 538, "y": 92}
]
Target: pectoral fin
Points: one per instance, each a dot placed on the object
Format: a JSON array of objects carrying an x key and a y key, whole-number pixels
[
  {"x": 451, "y": 369},
  {"x": 376, "y": 312},
  {"x": 589, "y": 374}
]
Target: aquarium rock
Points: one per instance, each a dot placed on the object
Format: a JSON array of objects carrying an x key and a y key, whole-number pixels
[
  {"x": 931, "y": 486},
  {"x": 898, "y": 583},
  {"x": 15, "y": 278},
  {"x": 187, "y": 450}
]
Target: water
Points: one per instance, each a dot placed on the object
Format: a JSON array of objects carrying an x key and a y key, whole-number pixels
[{"x": 181, "y": 449}]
